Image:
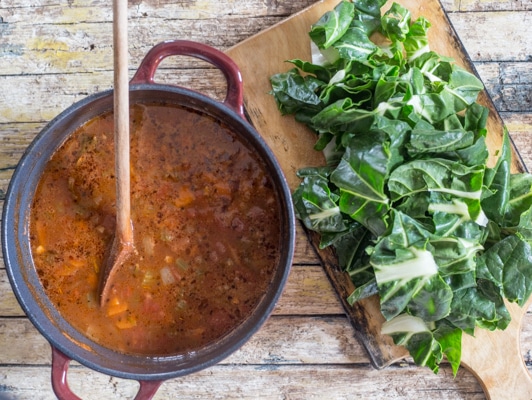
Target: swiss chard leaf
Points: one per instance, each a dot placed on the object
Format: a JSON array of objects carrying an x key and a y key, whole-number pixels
[
  {"x": 471, "y": 307},
  {"x": 450, "y": 339},
  {"x": 432, "y": 107},
  {"x": 332, "y": 25},
  {"x": 293, "y": 92},
  {"x": 360, "y": 177},
  {"x": 316, "y": 205},
  {"x": 440, "y": 176},
  {"x": 368, "y": 14},
  {"x": 429, "y": 140},
  {"x": 355, "y": 45},
  {"x": 322, "y": 73},
  {"x": 402, "y": 264},
  {"x": 416, "y": 42},
  {"x": 497, "y": 182},
  {"x": 508, "y": 264},
  {"x": 475, "y": 120},
  {"x": 351, "y": 247},
  {"x": 433, "y": 302},
  {"x": 455, "y": 255},
  {"x": 342, "y": 116},
  {"x": 412, "y": 333},
  {"x": 396, "y": 22},
  {"x": 520, "y": 200},
  {"x": 464, "y": 87}
]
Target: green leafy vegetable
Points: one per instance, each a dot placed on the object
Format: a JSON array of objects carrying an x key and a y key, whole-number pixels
[{"x": 407, "y": 199}]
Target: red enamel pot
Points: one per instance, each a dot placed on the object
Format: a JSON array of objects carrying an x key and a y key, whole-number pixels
[{"x": 69, "y": 344}]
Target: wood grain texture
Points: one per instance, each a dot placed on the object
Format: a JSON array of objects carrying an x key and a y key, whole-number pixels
[
  {"x": 53, "y": 53},
  {"x": 307, "y": 382}
]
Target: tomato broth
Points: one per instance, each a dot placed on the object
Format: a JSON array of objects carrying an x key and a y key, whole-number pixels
[{"x": 206, "y": 224}]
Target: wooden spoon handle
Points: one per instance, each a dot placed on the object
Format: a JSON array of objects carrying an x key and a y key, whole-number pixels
[
  {"x": 122, "y": 245},
  {"x": 121, "y": 119}
]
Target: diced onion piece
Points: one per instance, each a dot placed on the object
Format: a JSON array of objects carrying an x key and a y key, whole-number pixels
[
  {"x": 92, "y": 301},
  {"x": 167, "y": 276},
  {"x": 149, "y": 279},
  {"x": 182, "y": 264},
  {"x": 93, "y": 331},
  {"x": 149, "y": 245}
]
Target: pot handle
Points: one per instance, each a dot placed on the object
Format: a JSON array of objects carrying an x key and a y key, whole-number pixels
[
  {"x": 60, "y": 363},
  {"x": 234, "y": 98}
]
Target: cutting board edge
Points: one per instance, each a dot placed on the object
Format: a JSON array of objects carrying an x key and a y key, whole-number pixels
[{"x": 518, "y": 163}]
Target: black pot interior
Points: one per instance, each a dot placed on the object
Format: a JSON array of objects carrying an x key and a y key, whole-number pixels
[{"x": 23, "y": 276}]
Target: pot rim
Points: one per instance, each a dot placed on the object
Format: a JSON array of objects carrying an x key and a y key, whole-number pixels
[{"x": 44, "y": 316}]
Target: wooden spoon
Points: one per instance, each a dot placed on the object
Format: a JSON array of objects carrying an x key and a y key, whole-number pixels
[{"x": 122, "y": 245}]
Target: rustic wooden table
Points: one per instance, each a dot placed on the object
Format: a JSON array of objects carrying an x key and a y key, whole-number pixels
[{"x": 55, "y": 53}]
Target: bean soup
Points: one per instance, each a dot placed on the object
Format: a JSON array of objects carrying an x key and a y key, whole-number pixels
[{"x": 206, "y": 225}]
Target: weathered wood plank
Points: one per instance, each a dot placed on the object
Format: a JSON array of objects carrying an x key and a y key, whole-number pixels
[
  {"x": 520, "y": 128},
  {"x": 14, "y": 139},
  {"x": 509, "y": 84},
  {"x": 491, "y": 5},
  {"x": 41, "y": 98},
  {"x": 62, "y": 36},
  {"x": 5, "y": 176},
  {"x": 488, "y": 40},
  {"x": 307, "y": 292},
  {"x": 100, "y": 10},
  {"x": 45, "y": 39},
  {"x": 282, "y": 340},
  {"x": 276, "y": 383},
  {"x": 9, "y": 306}
]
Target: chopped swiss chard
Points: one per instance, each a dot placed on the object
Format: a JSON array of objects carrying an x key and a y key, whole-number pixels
[{"x": 407, "y": 200}]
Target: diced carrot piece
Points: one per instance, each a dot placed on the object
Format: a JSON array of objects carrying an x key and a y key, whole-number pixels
[
  {"x": 77, "y": 263},
  {"x": 126, "y": 323},
  {"x": 209, "y": 177},
  {"x": 196, "y": 331},
  {"x": 185, "y": 197},
  {"x": 223, "y": 189},
  {"x": 116, "y": 307}
]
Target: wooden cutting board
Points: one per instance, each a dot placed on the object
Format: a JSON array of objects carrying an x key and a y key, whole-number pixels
[{"x": 494, "y": 357}]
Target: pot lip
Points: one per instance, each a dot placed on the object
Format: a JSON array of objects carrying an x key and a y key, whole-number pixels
[{"x": 42, "y": 319}]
